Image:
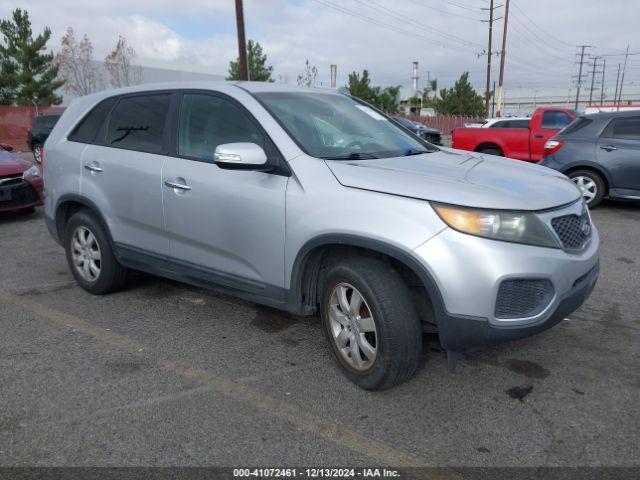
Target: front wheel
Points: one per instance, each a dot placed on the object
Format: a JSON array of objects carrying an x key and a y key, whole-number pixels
[
  {"x": 370, "y": 323},
  {"x": 590, "y": 184},
  {"x": 37, "y": 153}
]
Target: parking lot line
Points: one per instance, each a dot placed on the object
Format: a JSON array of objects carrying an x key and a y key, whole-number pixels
[{"x": 305, "y": 421}]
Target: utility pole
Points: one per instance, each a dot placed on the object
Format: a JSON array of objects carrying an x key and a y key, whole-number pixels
[
  {"x": 503, "y": 52},
  {"x": 624, "y": 68},
  {"x": 242, "y": 44},
  {"x": 582, "y": 48},
  {"x": 489, "y": 54},
  {"x": 493, "y": 100},
  {"x": 604, "y": 66},
  {"x": 334, "y": 74},
  {"x": 615, "y": 95},
  {"x": 593, "y": 78}
]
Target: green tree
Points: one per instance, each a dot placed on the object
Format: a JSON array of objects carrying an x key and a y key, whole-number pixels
[
  {"x": 27, "y": 76},
  {"x": 386, "y": 99},
  {"x": 462, "y": 99},
  {"x": 259, "y": 71}
]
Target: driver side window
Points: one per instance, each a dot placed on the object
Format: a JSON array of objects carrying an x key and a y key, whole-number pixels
[{"x": 207, "y": 121}]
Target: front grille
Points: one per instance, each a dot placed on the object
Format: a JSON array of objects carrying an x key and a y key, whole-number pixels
[
  {"x": 22, "y": 193},
  {"x": 434, "y": 138},
  {"x": 573, "y": 230},
  {"x": 523, "y": 298}
]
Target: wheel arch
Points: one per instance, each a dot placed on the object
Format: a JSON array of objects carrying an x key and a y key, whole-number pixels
[
  {"x": 485, "y": 145},
  {"x": 593, "y": 168},
  {"x": 307, "y": 271},
  {"x": 68, "y": 205}
]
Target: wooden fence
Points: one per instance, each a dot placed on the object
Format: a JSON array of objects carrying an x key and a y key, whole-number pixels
[
  {"x": 446, "y": 123},
  {"x": 15, "y": 123}
]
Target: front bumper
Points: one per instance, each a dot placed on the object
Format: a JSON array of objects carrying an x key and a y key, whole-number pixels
[
  {"x": 21, "y": 193},
  {"x": 468, "y": 271}
]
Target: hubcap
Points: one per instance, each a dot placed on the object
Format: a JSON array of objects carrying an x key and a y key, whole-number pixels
[
  {"x": 85, "y": 253},
  {"x": 37, "y": 154},
  {"x": 352, "y": 326},
  {"x": 587, "y": 186}
]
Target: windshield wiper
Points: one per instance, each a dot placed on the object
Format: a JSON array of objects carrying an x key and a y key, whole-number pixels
[
  {"x": 416, "y": 151},
  {"x": 352, "y": 156}
]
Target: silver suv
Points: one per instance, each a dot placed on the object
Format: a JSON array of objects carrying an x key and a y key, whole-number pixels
[{"x": 316, "y": 203}]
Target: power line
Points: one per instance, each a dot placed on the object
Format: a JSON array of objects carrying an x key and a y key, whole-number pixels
[
  {"x": 539, "y": 27},
  {"x": 379, "y": 23},
  {"x": 404, "y": 18}
]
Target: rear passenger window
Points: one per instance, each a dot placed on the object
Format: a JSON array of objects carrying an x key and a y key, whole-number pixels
[
  {"x": 207, "y": 121},
  {"x": 137, "y": 123},
  {"x": 519, "y": 124},
  {"x": 87, "y": 129},
  {"x": 555, "y": 120},
  {"x": 624, "y": 128}
]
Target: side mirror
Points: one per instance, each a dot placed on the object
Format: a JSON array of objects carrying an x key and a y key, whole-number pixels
[{"x": 241, "y": 156}]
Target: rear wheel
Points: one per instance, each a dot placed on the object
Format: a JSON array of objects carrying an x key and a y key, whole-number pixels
[
  {"x": 89, "y": 255},
  {"x": 590, "y": 184},
  {"x": 370, "y": 323}
]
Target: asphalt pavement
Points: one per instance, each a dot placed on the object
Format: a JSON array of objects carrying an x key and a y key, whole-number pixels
[{"x": 162, "y": 373}]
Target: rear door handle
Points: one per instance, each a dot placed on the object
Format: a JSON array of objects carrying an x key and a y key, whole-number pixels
[
  {"x": 93, "y": 168},
  {"x": 609, "y": 148},
  {"x": 179, "y": 186}
]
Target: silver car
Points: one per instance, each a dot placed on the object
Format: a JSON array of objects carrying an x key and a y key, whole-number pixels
[{"x": 316, "y": 203}]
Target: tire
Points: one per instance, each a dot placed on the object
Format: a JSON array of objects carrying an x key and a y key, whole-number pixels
[
  {"x": 110, "y": 274},
  {"x": 591, "y": 184},
  {"x": 491, "y": 151},
  {"x": 397, "y": 338},
  {"x": 37, "y": 153}
]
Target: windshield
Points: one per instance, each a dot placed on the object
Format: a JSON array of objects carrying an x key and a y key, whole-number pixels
[{"x": 334, "y": 126}]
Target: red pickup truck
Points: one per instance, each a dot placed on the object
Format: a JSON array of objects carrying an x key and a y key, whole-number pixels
[{"x": 519, "y": 143}]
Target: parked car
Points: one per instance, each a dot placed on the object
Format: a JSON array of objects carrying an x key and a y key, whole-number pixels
[
  {"x": 21, "y": 186},
  {"x": 520, "y": 141},
  {"x": 601, "y": 154},
  {"x": 39, "y": 132},
  {"x": 432, "y": 135},
  {"x": 235, "y": 187}
]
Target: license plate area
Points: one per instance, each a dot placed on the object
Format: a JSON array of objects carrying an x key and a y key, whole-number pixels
[{"x": 5, "y": 194}]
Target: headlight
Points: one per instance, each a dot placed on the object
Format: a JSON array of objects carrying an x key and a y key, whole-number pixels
[
  {"x": 31, "y": 172},
  {"x": 518, "y": 227}
]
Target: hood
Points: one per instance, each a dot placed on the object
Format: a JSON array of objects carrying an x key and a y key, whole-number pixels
[
  {"x": 460, "y": 178},
  {"x": 429, "y": 129},
  {"x": 11, "y": 164}
]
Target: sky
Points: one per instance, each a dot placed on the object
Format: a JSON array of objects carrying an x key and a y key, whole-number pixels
[{"x": 446, "y": 37}]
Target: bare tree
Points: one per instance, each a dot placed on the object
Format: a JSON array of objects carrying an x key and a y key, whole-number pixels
[
  {"x": 76, "y": 67},
  {"x": 120, "y": 67},
  {"x": 308, "y": 77}
]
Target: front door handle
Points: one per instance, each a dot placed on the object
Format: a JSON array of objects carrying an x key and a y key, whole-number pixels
[
  {"x": 538, "y": 135},
  {"x": 93, "y": 168},
  {"x": 609, "y": 148},
  {"x": 179, "y": 186}
]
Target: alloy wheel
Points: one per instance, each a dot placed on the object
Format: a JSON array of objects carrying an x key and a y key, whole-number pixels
[{"x": 352, "y": 326}]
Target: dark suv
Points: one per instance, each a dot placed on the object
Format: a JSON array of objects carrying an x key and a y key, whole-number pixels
[
  {"x": 39, "y": 132},
  {"x": 601, "y": 154}
]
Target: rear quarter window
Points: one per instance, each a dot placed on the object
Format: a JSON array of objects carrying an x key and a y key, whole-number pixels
[
  {"x": 87, "y": 129},
  {"x": 577, "y": 125}
]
